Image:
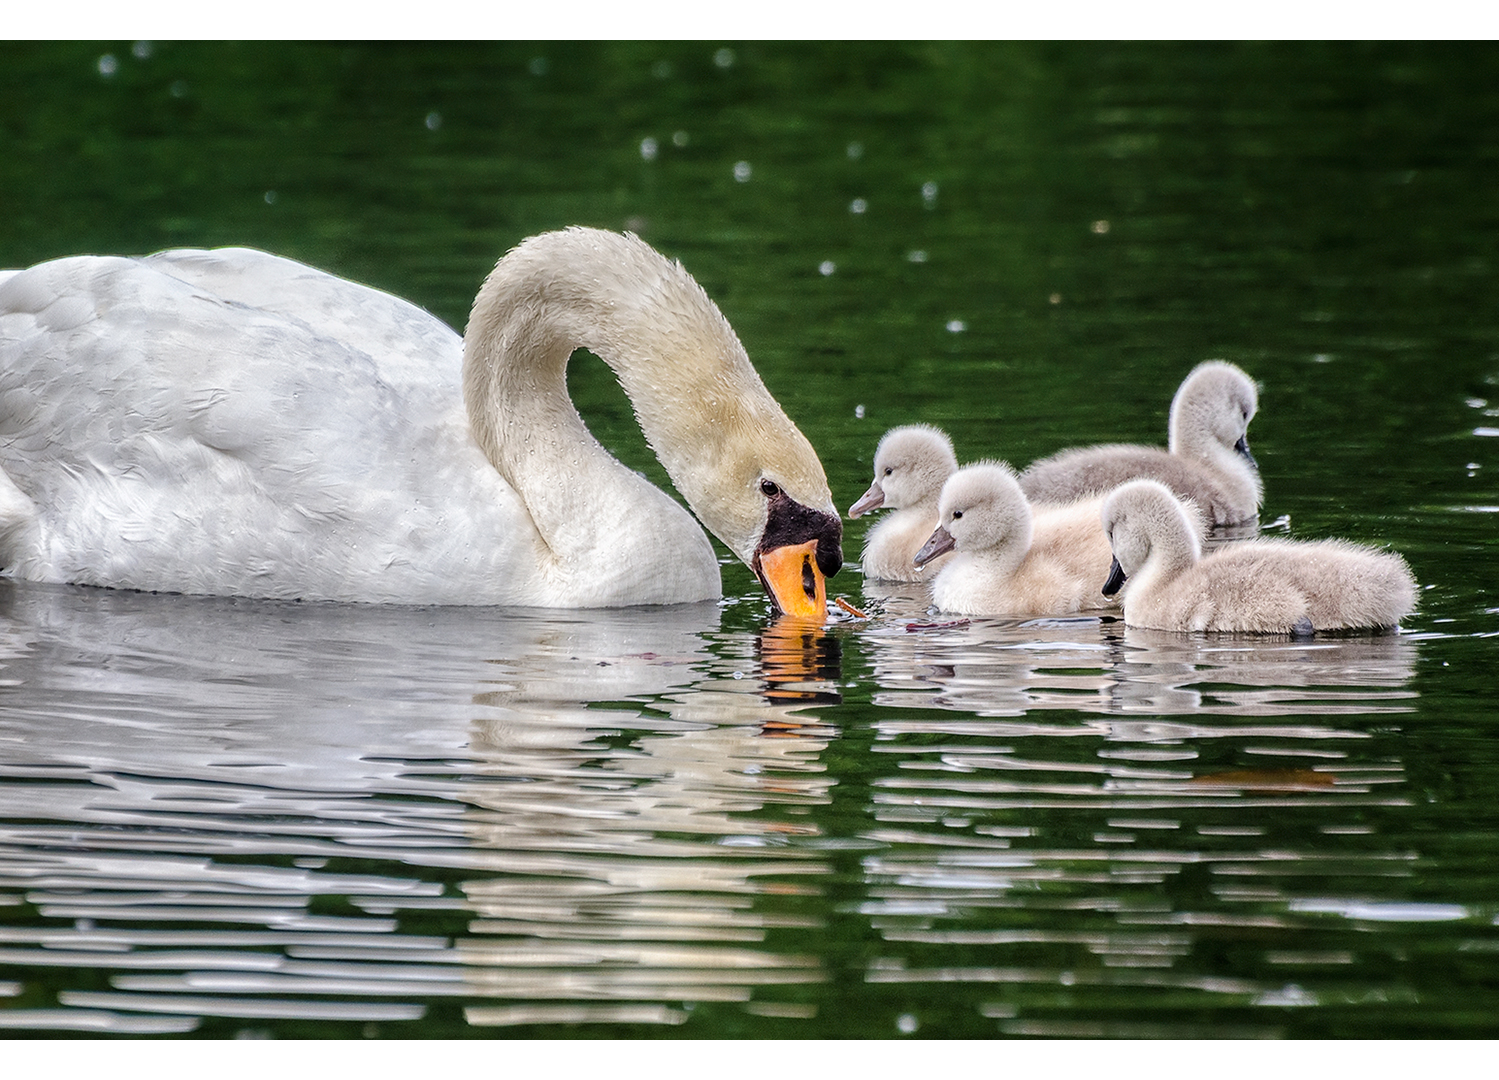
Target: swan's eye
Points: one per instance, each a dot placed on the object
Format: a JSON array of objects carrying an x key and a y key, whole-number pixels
[
  {"x": 889, "y": 469},
  {"x": 957, "y": 514},
  {"x": 768, "y": 489}
]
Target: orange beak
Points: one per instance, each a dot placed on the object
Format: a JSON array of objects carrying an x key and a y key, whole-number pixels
[{"x": 794, "y": 582}]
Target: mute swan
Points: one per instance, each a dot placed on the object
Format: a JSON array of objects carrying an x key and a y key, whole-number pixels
[
  {"x": 1011, "y": 561},
  {"x": 911, "y": 464},
  {"x": 1266, "y": 586},
  {"x": 229, "y": 422},
  {"x": 1208, "y": 459}
]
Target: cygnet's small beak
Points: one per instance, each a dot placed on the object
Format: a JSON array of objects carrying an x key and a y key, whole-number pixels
[
  {"x": 1242, "y": 446},
  {"x": 872, "y": 499},
  {"x": 1116, "y": 579},
  {"x": 939, "y": 543},
  {"x": 795, "y": 584}
]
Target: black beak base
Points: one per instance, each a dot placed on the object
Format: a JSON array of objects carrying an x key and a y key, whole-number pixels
[{"x": 790, "y": 522}]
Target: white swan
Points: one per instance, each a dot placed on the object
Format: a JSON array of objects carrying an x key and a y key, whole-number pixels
[
  {"x": 1011, "y": 559},
  {"x": 1207, "y": 459},
  {"x": 911, "y": 464},
  {"x": 229, "y": 422},
  {"x": 1267, "y": 586}
]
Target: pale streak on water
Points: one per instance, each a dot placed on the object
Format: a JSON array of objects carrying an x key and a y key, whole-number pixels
[{"x": 619, "y": 817}]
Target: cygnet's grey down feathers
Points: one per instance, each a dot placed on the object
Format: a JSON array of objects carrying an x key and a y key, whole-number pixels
[
  {"x": 1269, "y": 586},
  {"x": 1207, "y": 459}
]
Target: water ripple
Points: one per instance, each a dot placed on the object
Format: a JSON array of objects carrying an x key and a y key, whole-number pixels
[{"x": 237, "y": 812}]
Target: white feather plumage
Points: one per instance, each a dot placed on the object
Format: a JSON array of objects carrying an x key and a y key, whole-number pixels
[{"x": 230, "y": 422}]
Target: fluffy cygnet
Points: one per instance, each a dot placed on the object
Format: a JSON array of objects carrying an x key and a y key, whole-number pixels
[
  {"x": 910, "y": 466},
  {"x": 1208, "y": 459},
  {"x": 1260, "y": 586},
  {"x": 1009, "y": 560}
]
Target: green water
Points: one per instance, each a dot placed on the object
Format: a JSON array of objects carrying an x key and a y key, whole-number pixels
[{"x": 218, "y": 817}]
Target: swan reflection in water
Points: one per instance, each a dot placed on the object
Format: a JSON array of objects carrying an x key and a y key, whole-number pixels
[
  {"x": 600, "y": 785},
  {"x": 641, "y": 881}
]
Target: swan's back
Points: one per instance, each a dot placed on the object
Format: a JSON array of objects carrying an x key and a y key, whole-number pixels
[
  {"x": 231, "y": 422},
  {"x": 1071, "y": 536},
  {"x": 1090, "y": 471},
  {"x": 406, "y": 345}
]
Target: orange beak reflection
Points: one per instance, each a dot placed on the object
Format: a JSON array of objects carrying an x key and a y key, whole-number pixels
[
  {"x": 801, "y": 665},
  {"x": 794, "y": 582}
]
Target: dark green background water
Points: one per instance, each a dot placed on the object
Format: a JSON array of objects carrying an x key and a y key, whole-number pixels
[{"x": 1027, "y": 244}]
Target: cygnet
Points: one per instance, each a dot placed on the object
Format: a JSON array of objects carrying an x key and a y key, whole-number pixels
[
  {"x": 1263, "y": 586},
  {"x": 910, "y": 466},
  {"x": 1008, "y": 560},
  {"x": 1208, "y": 459}
]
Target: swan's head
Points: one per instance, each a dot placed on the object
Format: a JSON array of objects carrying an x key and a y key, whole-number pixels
[
  {"x": 767, "y": 498},
  {"x": 1144, "y": 518},
  {"x": 1212, "y": 408},
  {"x": 982, "y": 509},
  {"x": 910, "y": 466},
  {"x": 798, "y": 547}
]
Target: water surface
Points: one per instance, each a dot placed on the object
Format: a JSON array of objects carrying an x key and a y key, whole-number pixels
[{"x": 222, "y": 817}]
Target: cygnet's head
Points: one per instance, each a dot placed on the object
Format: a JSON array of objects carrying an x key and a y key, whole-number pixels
[
  {"x": 1143, "y": 517},
  {"x": 1213, "y": 406},
  {"x": 910, "y": 466},
  {"x": 981, "y": 508}
]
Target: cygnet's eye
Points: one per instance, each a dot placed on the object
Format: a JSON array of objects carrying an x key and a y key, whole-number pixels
[
  {"x": 768, "y": 489},
  {"x": 889, "y": 469},
  {"x": 957, "y": 514}
]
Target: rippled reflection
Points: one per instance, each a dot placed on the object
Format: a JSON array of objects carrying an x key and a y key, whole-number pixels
[
  {"x": 1073, "y": 811},
  {"x": 226, "y": 816},
  {"x": 208, "y": 764},
  {"x": 992, "y": 667}
]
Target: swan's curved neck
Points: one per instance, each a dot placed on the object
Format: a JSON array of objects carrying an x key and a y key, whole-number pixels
[
  {"x": 699, "y": 401},
  {"x": 1190, "y": 435}
]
